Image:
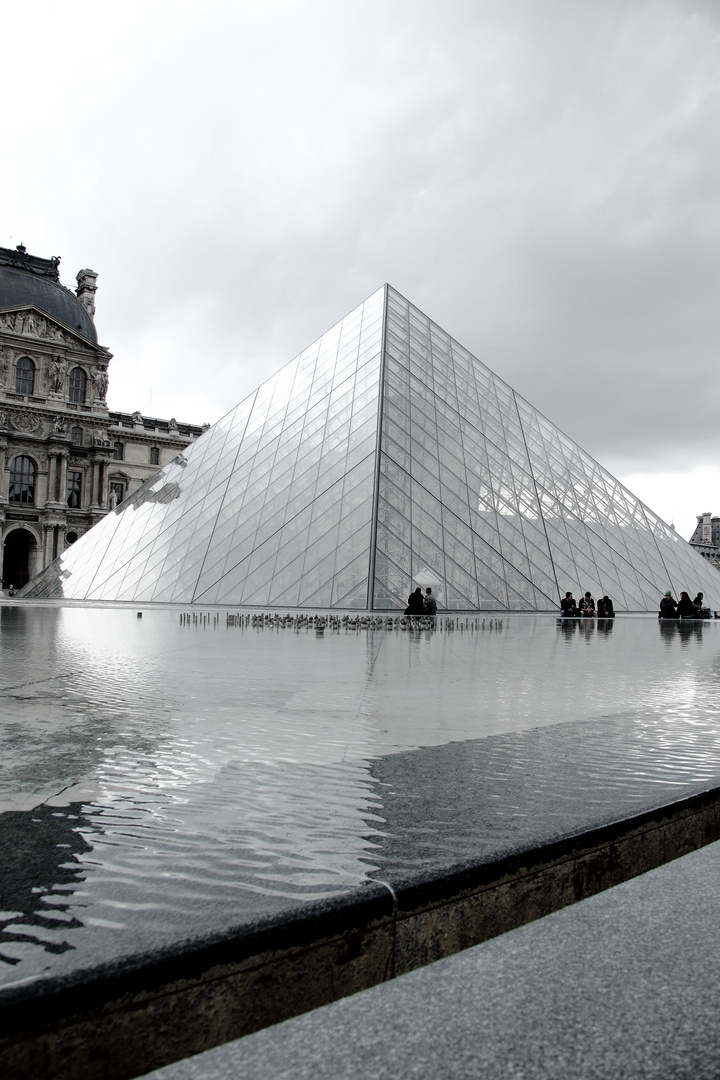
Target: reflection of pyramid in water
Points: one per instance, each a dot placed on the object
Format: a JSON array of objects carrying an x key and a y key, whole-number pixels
[{"x": 285, "y": 502}]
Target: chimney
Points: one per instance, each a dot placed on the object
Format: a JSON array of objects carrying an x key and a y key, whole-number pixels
[{"x": 86, "y": 289}]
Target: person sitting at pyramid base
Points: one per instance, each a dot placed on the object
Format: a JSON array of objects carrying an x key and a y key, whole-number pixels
[
  {"x": 668, "y": 607},
  {"x": 605, "y": 609},
  {"x": 415, "y": 606},
  {"x": 568, "y": 607}
]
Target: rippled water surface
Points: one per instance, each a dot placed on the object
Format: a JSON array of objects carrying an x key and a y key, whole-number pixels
[{"x": 158, "y": 780}]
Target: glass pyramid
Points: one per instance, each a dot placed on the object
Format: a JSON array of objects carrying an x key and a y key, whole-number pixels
[{"x": 383, "y": 457}]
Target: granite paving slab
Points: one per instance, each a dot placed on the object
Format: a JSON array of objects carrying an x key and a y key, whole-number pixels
[{"x": 624, "y": 985}]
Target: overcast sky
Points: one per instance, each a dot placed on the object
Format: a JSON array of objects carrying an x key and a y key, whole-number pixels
[{"x": 541, "y": 178}]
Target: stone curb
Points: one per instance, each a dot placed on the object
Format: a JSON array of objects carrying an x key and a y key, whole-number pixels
[{"x": 122, "y": 1019}]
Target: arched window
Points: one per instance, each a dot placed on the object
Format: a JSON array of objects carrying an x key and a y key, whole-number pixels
[
  {"x": 22, "y": 480},
  {"x": 154, "y": 455},
  {"x": 78, "y": 382},
  {"x": 24, "y": 376},
  {"x": 118, "y": 451}
]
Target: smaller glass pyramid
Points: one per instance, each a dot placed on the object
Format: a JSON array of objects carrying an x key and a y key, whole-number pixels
[{"x": 383, "y": 457}]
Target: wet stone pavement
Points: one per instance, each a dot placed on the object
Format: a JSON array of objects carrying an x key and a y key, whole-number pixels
[{"x": 162, "y": 779}]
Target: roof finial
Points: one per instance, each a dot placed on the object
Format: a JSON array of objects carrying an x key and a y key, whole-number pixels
[{"x": 86, "y": 289}]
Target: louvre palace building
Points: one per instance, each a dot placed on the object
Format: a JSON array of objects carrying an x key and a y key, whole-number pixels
[{"x": 65, "y": 460}]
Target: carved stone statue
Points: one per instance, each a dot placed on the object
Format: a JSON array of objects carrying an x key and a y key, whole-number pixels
[
  {"x": 58, "y": 368},
  {"x": 137, "y": 418},
  {"x": 59, "y": 427},
  {"x": 100, "y": 382},
  {"x": 113, "y": 500},
  {"x": 3, "y": 418}
]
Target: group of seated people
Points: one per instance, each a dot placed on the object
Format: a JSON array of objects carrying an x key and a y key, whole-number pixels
[
  {"x": 419, "y": 605},
  {"x": 569, "y": 609},
  {"x": 684, "y": 608}
]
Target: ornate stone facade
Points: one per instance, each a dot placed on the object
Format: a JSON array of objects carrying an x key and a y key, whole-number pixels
[
  {"x": 65, "y": 460},
  {"x": 706, "y": 538}
]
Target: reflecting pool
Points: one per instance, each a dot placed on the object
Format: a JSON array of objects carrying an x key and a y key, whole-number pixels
[{"x": 159, "y": 779}]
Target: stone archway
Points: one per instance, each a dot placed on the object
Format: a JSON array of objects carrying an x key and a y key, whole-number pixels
[{"x": 19, "y": 558}]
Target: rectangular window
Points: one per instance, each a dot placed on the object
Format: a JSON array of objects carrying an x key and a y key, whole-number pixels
[
  {"x": 154, "y": 455},
  {"x": 76, "y": 436},
  {"x": 118, "y": 451},
  {"x": 78, "y": 382},
  {"x": 25, "y": 376},
  {"x": 116, "y": 490},
  {"x": 74, "y": 488},
  {"x": 22, "y": 480}
]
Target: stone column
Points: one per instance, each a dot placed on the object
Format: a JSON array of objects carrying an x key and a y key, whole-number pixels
[
  {"x": 103, "y": 490},
  {"x": 42, "y": 490},
  {"x": 3, "y": 481},
  {"x": 48, "y": 546},
  {"x": 94, "y": 484},
  {"x": 52, "y": 477},
  {"x": 62, "y": 477}
]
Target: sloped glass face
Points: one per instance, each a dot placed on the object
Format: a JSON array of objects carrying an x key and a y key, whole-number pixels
[
  {"x": 476, "y": 495},
  {"x": 272, "y": 506},
  {"x": 488, "y": 503}
]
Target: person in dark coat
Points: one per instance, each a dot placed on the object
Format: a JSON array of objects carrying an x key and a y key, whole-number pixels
[
  {"x": 668, "y": 607},
  {"x": 605, "y": 608},
  {"x": 415, "y": 604},
  {"x": 700, "y": 610},
  {"x": 429, "y": 604},
  {"x": 568, "y": 607},
  {"x": 686, "y": 608}
]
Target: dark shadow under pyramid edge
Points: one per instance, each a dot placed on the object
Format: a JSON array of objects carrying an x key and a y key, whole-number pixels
[{"x": 382, "y": 457}]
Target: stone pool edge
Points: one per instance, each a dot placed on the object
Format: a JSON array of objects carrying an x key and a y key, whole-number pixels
[{"x": 125, "y": 1018}]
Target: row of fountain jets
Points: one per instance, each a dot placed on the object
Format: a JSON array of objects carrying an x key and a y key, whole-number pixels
[{"x": 320, "y": 623}]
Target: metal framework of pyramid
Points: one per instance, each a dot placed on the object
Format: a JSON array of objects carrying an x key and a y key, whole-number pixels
[{"x": 383, "y": 457}]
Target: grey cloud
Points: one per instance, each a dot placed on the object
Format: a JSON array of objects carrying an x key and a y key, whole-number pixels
[{"x": 542, "y": 179}]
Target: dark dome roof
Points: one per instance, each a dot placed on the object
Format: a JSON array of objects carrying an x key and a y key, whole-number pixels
[{"x": 19, "y": 287}]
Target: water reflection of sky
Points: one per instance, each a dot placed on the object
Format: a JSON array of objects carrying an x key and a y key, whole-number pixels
[{"x": 159, "y": 780}]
